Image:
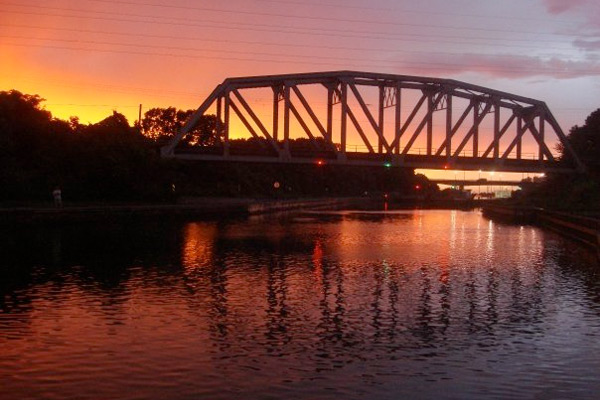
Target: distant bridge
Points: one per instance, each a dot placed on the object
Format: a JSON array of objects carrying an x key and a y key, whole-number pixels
[
  {"x": 477, "y": 128},
  {"x": 482, "y": 182}
]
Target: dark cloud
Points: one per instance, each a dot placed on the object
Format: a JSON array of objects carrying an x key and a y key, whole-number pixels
[
  {"x": 501, "y": 66},
  {"x": 560, "y": 6},
  {"x": 589, "y": 45}
]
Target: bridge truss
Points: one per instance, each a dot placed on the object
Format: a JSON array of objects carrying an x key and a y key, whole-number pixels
[{"x": 458, "y": 125}]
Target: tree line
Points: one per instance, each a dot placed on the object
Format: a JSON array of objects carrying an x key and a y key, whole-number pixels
[
  {"x": 112, "y": 160},
  {"x": 570, "y": 192}
]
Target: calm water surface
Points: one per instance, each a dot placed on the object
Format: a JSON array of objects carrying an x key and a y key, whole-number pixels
[{"x": 419, "y": 305}]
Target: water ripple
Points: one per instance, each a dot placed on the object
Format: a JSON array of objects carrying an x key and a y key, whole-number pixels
[{"x": 424, "y": 304}]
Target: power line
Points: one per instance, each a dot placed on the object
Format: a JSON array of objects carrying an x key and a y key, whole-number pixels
[
  {"x": 317, "y": 18},
  {"x": 263, "y": 43},
  {"x": 436, "y": 41},
  {"x": 548, "y": 71},
  {"x": 370, "y": 7},
  {"x": 283, "y": 26},
  {"x": 137, "y": 45},
  {"x": 120, "y": 89}
]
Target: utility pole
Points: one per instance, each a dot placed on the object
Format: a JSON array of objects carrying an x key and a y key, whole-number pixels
[{"x": 140, "y": 119}]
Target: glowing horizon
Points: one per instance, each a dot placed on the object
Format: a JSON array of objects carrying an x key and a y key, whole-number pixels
[{"x": 94, "y": 56}]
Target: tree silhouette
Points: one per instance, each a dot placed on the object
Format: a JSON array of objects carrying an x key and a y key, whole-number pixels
[
  {"x": 161, "y": 124},
  {"x": 585, "y": 141}
]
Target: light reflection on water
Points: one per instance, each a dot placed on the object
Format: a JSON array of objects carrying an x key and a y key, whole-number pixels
[{"x": 419, "y": 304}]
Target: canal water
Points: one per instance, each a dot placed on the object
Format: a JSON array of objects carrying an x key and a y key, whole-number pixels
[{"x": 340, "y": 305}]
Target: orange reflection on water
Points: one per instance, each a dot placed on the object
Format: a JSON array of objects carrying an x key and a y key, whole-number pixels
[
  {"x": 318, "y": 261},
  {"x": 198, "y": 242}
]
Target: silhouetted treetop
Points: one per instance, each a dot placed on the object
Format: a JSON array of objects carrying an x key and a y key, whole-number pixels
[
  {"x": 585, "y": 140},
  {"x": 160, "y": 124}
]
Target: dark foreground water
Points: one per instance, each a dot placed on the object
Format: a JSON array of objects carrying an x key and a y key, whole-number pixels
[{"x": 404, "y": 305}]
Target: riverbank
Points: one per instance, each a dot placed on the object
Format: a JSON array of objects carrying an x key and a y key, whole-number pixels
[
  {"x": 190, "y": 208},
  {"x": 583, "y": 229}
]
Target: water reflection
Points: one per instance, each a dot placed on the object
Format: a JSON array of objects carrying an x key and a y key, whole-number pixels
[{"x": 320, "y": 305}]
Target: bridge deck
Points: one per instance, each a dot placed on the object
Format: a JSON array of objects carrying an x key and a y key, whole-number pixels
[{"x": 376, "y": 159}]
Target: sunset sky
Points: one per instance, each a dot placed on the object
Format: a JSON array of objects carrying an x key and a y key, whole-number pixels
[{"x": 89, "y": 57}]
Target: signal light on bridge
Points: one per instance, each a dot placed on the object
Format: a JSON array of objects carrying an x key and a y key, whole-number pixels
[
  {"x": 417, "y": 187},
  {"x": 320, "y": 162},
  {"x": 387, "y": 164}
]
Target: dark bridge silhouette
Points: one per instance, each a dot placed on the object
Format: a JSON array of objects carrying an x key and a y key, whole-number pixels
[
  {"x": 476, "y": 128},
  {"x": 483, "y": 182}
]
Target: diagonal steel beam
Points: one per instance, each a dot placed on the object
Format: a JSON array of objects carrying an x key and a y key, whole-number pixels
[
  {"x": 193, "y": 120},
  {"x": 520, "y": 132},
  {"x": 256, "y": 120},
  {"x": 346, "y": 109},
  {"x": 367, "y": 112},
  {"x": 457, "y": 125},
  {"x": 500, "y": 134},
  {"x": 564, "y": 140},
  {"x": 247, "y": 124},
  {"x": 314, "y": 118},
  {"x": 476, "y": 123},
  {"x": 540, "y": 140},
  {"x": 409, "y": 119},
  {"x": 360, "y": 130},
  {"x": 426, "y": 119},
  {"x": 304, "y": 126}
]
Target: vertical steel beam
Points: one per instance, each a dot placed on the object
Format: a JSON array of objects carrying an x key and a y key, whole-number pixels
[
  {"x": 521, "y": 129},
  {"x": 455, "y": 128},
  {"x": 496, "y": 130},
  {"x": 313, "y": 116},
  {"x": 275, "y": 114},
  {"x": 370, "y": 118},
  {"x": 425, "y": 121},
  {"x": 227, "y": 122},
  {"x": 502, "y": 132},
  {"x": 344, "y": 122},
  {"x": 330, "y": 92},
  {"x": 476, "y": 132},
  {"x": 430, "y": 109},
  {"x": 448, "y": 125},
  {"x": 409, "y": 119},
  {"x": 536, "y": 135},
  {"x": 219, "y": 114},
  {"x": 462, "y": 144},
  {"x": 542, "y": 134},
  {"x": 519, "y": 141},
  {"x": 286, "y": 119},
  {"x": 398, "y": 118},
  {"x": 381, "y": 115},
  {"x": 256, "y": 120}
]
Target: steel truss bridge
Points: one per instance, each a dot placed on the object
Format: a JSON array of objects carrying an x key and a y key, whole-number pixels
[{"x": 476, "y": 128}]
